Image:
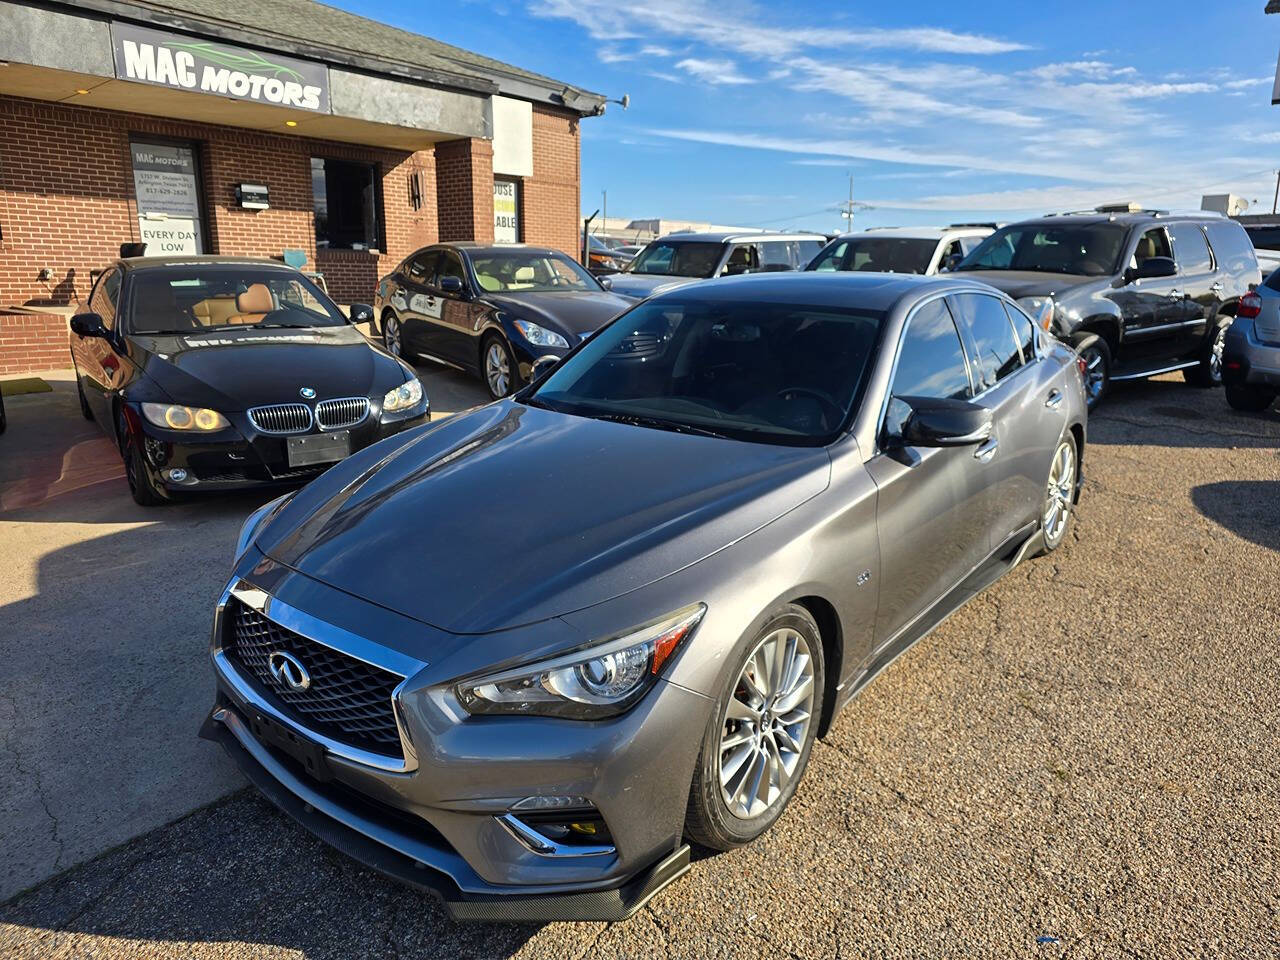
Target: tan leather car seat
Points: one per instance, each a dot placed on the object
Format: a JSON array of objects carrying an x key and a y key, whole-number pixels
[
  {"x": 214, "y": 311},
  {"x": 254, "y": 304}
]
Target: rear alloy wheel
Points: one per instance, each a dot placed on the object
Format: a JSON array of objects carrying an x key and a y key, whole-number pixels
[
  {"x": 757, "y": 742},
  {"x": 500, "y": 374},
  {"x": 1095, "y": 353},
  {"x": 1060, "y": 494},
  {"x": 391, "y": 334},
  {"x": 1249, "y": 399},
  {"x": 1208, "y": 372}
]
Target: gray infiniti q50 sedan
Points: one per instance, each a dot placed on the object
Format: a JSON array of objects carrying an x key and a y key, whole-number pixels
[{"x": 523, "y": 656}]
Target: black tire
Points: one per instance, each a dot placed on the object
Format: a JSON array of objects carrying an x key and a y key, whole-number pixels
[
  {"x": 141, "y": 486},
  {"x": 1097, "y": 355},
  {"x": 85, "y": 410},
  {"x": 492, "y": 379},
  {"x": 1208, "y": 372},
  {"x": 1066, "y": 494},
  {"x": 392, "y": 334},
  {"x": 1249, "y": 399},
  {"x": 709, "y": 821}
]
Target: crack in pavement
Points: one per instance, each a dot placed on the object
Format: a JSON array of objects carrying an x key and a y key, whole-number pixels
[
  {"x": 33, "y": 775},
  {"x": 1147, "y": 425}
]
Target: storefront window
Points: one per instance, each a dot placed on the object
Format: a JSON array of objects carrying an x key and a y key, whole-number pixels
[
  {"x": 347, "y": 204},
  {"x": 167, "y": 189},
  {"x": 506, "y": 211}
]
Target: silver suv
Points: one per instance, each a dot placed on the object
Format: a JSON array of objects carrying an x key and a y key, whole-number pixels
[
  {"x": 681, "y": 258},
  {"x": 926, "y": 250}
]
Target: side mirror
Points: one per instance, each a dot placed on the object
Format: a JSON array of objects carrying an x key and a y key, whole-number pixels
[
  {"x": 541, "y": 367},
  {"x": 606, "y": 282},
  {"x": 89, "y": 325},
  {"x": 451, "y": 285},
  {"x": 360, "y": 313},
  {"x": 1152, "y": 268},
  {"x": 945, "y": 423}
]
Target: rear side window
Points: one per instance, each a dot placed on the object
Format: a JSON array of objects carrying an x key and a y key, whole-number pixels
[
  {"x": 996, "y": 351},
  {"x": 776, "y": 255},
  {"x": 931, "y": 363},
  {"x": 1232, "y": 247},
  {"x": 1190, "y": 249},
  {"x": 1024, "y": 331},
  {"x": 419, "y": 267}
]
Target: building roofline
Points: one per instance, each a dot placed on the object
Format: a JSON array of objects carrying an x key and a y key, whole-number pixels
[{"x": 493, "y": 77}]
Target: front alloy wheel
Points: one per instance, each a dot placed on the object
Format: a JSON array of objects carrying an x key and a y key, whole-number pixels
[
  {"x": 1060, "y": 494},
  {"x": 391, "y": 334},
  {"x": 497, "y": 368},
  {"x": 758, "y": 739}
]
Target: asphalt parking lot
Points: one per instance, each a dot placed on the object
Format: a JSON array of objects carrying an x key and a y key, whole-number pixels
[{"x": 1083, "y": 761}]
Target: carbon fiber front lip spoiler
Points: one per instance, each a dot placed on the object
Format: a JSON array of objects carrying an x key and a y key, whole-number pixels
[{"x": 599, "y": 905}]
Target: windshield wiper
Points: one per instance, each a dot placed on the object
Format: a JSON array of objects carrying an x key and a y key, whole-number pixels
[{"x": 636, "y": 420}]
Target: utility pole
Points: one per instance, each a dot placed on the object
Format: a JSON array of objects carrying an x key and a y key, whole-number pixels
[
  {"x": 1276, "y": 199},
  {"x": 847, "y": 209},
  {"x": 604, "y": 215}
]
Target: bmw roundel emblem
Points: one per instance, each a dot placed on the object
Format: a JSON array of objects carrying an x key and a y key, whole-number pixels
[{"x": 307, "y": 393}]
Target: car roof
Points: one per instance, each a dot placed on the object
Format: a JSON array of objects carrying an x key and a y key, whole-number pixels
[
  {"x": 739, "y": 236},
  {"x": 865, "y": 291},
  {"x": 471, "y": 247},
  {"x": 921, "y": 233},
  {"x": 1136, "y": 218},
  {"x": 205, "y": 260}
]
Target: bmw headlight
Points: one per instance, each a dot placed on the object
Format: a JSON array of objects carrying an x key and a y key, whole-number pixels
[
  {"x": 540, "y": 336},
  {"x": 249, "y": 529},
  {"x": 602, "y": 680},
  {"x": 403, "y": 397},
  {"x": 1040, "y": 308},
  {"x": 174, "y": 416}
]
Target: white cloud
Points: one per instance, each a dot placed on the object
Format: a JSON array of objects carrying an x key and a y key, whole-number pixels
[{"x": 713, "y": 71}]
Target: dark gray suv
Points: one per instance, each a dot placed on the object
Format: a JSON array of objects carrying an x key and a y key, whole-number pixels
[{"x": 1136, "y": 292}]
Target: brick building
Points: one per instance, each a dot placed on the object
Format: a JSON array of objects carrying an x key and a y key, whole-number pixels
[{"x": 256, "y": 127}]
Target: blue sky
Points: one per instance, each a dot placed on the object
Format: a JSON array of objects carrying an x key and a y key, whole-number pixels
[{"x": 755, "y": 114}]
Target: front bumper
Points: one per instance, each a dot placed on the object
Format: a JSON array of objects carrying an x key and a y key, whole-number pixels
[
  {"x": 436, "y": 818},
  {"x": 241, "y": 456},
  {"x": 1248, "y": 361}
]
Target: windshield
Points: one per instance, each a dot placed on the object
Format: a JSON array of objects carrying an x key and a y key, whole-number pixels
[
  {"x": 191, "y": 299},
  {"x": 879, "y": 254},
  {"x": 527, "y": 271},
  {"x": 1092, "y": 250},
  {"x": 672, "y": 258},
  {"x": 767, "y": 372}
]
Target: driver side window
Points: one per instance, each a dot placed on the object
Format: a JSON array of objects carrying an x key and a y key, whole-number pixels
[
  {"x": 449, "y": 266},
  {"x": 1153, "y": 243},
  {"x": 742, "y": 258},
  {"x": 931, "y": 363},
  {"x": 105, "y": 296}
]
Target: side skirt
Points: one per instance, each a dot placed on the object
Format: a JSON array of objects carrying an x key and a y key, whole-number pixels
[{"x": 1008, "y": 555}]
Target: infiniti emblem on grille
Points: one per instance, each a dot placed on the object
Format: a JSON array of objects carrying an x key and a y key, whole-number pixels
[
  {"x": 307, "y": 393},
  {"x": 288, "y": 672}
]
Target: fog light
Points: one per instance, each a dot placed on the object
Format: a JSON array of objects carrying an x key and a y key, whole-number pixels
[
  {"x": 176, "y": 475},
  {"x": 551, "y": 803}
]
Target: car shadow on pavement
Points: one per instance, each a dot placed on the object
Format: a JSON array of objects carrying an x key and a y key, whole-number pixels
[
  {"x": 1234, "y": 505},
  {"x": 1167, "y": 412},
  {"x": 237, "y": 875}
]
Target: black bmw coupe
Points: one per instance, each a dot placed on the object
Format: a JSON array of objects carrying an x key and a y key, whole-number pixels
[
  {"x": 491, "y": 310},
  {"x": 216, "y": 373}
]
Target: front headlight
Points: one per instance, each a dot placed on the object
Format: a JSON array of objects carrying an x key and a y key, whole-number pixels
[
  {"x": 249, "y": 529},
  {"x": 408, "y": 394},
  {"x": 175, "y": 416},
  {"x": 1040, "y": 308},
  {"x": 599, "y": 681},
  {"x": 539, "y": 336}
]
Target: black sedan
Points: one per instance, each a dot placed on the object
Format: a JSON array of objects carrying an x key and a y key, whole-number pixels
[
  {"x": 491, "y": 310},
  {"x": 216, "y": 373}
]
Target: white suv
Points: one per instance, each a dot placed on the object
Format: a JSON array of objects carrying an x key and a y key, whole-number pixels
[{"x": 925, "y": 250}]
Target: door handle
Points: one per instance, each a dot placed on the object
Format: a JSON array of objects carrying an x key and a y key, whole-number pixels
[
  {"x": 1054, "y": 400},
  {"x": 987, "y": 451}
]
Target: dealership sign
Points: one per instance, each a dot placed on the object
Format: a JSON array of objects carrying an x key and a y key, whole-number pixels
[{"x": 206, "y": 66}]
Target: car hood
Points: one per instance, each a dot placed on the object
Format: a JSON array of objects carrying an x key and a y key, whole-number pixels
[
  {"x": 510, "y": 514},
  {"x": 1031, "y": 283},
  {"x": 577, "y": 313},
  {"x": 236, "y": 369},
  {"x": 637, "y": 286}
]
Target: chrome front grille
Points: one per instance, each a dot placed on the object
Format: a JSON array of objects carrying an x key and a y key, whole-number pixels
[
  {"x": 346, "y": 412},
  {"x": 281, "y": 418},
  {"x": 347, "y": 700}
]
